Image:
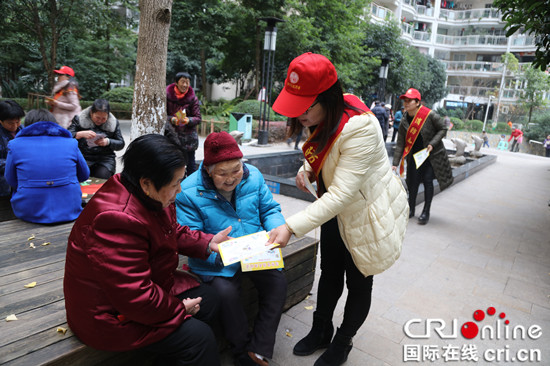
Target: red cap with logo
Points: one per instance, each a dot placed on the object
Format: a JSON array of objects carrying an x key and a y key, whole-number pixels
[
  {"x": 411, "y": 94},
  {"x": 65, "y": 70},
  {"x": 308, "y": 76}
]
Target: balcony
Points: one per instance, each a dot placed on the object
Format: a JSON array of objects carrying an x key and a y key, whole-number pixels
[
  {"x": 472, "y": 91},
  {"x": 380, "y": 12},
  {"x": 476, "y": 14},
  {"x": 422, "y": 36},
  {"x": 474, "y": 66},
  {"x": 407, "y": 29},
  {"x": 473, "y": 40}
]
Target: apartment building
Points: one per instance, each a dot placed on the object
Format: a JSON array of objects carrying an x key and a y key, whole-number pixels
[{"x": 469, "y": 38}]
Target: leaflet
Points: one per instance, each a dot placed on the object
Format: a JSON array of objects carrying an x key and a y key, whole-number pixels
[
  {"x": 268, "y": 260},
  {"x": 244, "y": 247},
  {"x": 420, "y": 157}
]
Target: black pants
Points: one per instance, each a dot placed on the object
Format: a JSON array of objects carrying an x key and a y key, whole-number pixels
[
  {"x": 425, "y": 175},
  {"x": 335, "y": 262},
  {"x": 394, "y": 135},
  {"x": 193, "y": 342},
  {"x": 271, "y": 286},
  {"x": 99, "y": 171},
  {"x": 191, "y": 164}
]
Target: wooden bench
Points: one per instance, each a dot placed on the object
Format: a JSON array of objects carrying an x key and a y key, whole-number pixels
[
  {"x": 212, "y": 123},
  {"x": 33, "y": 339}
]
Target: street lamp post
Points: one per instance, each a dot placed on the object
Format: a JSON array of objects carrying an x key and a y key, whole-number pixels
[
  {"x": 270, "y": 40},
  {"x": 487, "y": 112},
  {"x": 383, "y": 77}
]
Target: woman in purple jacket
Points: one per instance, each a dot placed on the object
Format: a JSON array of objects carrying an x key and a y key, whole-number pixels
[{"x": 181, "y": 127}]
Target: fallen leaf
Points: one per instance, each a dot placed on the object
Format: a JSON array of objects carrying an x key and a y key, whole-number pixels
[
  {"x": 11, "y": 317},
  {"x": 30, "y": 285},
  {"x": 32, "y": 245},
  {"x": 61, "y": 330},
  {"x": 46, "y": 243},
  {"x": 31, "y": 237},
  {"x": 308, "y": 307}
]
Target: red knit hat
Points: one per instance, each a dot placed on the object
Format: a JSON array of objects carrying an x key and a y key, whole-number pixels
[
  {"x": 65, "y": 70},
  {"x": 308, "y": 76},
  {"x": 411, "y": 94},
  {"x": 220, "y": 146}
]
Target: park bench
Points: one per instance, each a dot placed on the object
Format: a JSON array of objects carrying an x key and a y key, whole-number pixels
[{"x": 33, "y": 339}]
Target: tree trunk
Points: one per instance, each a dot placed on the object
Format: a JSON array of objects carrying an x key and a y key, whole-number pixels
[
  {"x": 203, "y": 74},
  {"x": 149, "y": 106}
]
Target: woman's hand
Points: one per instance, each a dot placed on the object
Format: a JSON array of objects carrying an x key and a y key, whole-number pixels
[
  {"x": 280, "y": 235},
  {"x": 102, "y": 142},
  {"x": 429, "y": 148},
  {"x": 88, "y": 134},
  {"x": 192, "y": 305},
  {"x": 301, "y": 180},
  {"x": 219, "y": 238}
]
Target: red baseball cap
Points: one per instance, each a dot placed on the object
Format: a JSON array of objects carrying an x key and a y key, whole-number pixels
[
  {"x": 65, "y": 70},
  {"x": 308, "y": 76},
  {"x": 411, "y": 94}
]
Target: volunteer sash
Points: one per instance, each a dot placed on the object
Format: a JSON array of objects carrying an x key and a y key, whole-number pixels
[
  {"x": 412, "y": 133},
  {"x": 316, "y": 160}
]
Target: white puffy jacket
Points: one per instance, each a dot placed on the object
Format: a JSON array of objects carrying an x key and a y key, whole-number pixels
[{"x": 367, "y": 198}]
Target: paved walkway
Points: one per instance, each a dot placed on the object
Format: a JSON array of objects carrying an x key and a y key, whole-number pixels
[{"x": 487, "y": 245}]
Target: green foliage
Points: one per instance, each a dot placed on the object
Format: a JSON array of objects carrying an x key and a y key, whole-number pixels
[
  {"x": 529, "y": 16},
  {"x": 537, "y": 82},
  {"x": 502, "y": 128},
  {"x": 123, "y": 95},
  {"x": 457, "y": 113},
  {"x": 539, "y": 128},
  {"x": 458, "y": 124},
  {"x": 219, "y": 109},
  {"x": 253, "y": 107},
  {"x": 473, "y": 125}
]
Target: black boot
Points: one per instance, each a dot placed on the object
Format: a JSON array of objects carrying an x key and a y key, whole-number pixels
[
  {"x": 338, "y": 351},
  {"x": 424, "y": 217},
  {"x": 319, "y": 337}
]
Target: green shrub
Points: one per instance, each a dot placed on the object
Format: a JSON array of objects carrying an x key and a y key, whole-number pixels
[
  {"x": 457, "y": 122},
  {"x": 253, "y": 107},
  {"x": 502, "y": 128},
  {"x": 122, "y": 95},
  {"x": 473, "y": 125}
]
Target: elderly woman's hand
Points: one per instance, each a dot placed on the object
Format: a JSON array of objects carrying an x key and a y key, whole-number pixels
[
  {"x": 192, "y": 306},
  {"x": 88, "y": 134},
  {"x": 280, "y": 235},
  {"x": 219, "y": 238}
]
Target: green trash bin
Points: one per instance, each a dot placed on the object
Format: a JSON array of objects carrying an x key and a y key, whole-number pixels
[{"x": 234, "y": 121}]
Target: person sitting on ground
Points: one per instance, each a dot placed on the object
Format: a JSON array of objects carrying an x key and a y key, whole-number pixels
[
  {"x": 98, "y": 134},
  {"x": 65, "y": 101},
  {"x": 45, "y": 166},
  {"x": 10, "y": 124},
  {"x": 180, "y": 97},
  {"x": 122, "y": 288},
  {"x": 225, "y": 191}
]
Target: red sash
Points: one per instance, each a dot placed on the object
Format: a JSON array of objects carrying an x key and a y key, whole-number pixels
[
  {"x": 412, "y": 133},
  {"x": 316, "y": 160}
]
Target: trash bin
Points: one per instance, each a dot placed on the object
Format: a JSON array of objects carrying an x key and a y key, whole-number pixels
[{"x": 241, "y": 122}]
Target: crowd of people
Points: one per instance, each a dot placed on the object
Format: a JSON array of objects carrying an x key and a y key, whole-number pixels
[{"x": 122, "y": 285}]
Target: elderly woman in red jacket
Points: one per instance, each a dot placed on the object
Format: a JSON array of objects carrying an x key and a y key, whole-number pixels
[
  {"x": 122, "y": 289},
  {"x": 184, "y": 114}
]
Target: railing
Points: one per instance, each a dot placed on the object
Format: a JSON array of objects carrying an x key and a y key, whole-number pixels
[
  {"x": 473, "y": 40},
  {"x": 424, "y": 10},
  {"x": 522, "y": 40},
  {"x": 380, "y": 11},
  {"x": 406, "y": 28},
  {"x": 481, "y": 66},
  {"x": 422, "y": 36},
  {"x": 477, "y": 14},
  {"x": 474, "y": 91}
]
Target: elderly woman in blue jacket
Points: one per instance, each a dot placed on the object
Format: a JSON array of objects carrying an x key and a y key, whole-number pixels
[
  {"x": 45, "y": 166},
  {"x": 225, "y": 191}
]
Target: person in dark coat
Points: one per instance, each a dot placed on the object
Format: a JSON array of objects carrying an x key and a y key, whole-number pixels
[
  {"x": 10, "y": 124},
  {"x": 181, "y": 127},
  {"x": 383, "y": 118},
  {"x": 45, "y": 166},
  {"x": 98, "y": 134},
  {"x": 122, "y": 288},
  {"x": 431, "y": 136}
]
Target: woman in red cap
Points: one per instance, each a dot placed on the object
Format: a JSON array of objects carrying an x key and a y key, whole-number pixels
[
  {"x": 421, "y": 128},
  {"x": 65, "y": 101},
  {"x": 362, "y": 206}
]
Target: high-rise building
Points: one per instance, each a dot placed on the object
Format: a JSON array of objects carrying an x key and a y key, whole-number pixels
[{"x": 469, "y": 38}]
